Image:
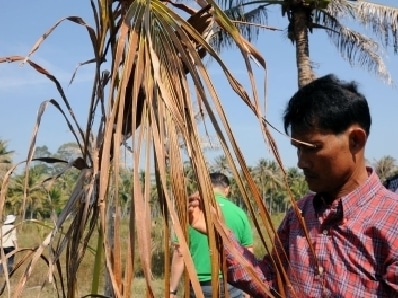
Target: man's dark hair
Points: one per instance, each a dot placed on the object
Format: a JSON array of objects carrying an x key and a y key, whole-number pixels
[
  {"x": 328, "y": 104},
  {"x": 219, "y": 180}
]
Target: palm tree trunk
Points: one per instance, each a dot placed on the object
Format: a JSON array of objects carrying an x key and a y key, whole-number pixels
[{"x": 305, "y": 73}]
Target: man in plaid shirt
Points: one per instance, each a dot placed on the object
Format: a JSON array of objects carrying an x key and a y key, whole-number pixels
[{"x": 351, "y": 219}]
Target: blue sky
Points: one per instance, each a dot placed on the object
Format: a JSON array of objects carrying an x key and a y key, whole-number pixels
[{"x": 22, "y": 90}]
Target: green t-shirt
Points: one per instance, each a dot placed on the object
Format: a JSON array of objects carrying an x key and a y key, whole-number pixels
[{"x": 236, "y": 219}]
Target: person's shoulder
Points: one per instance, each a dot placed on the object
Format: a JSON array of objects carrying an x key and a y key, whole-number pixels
[
  {"x": 226, "y": 202},
  {"x": 221, "y": 200},
  {"x": 383, "y": 202},
  {"x": 387, "y": 196},
  {"x": 307, "y": 198},
  {"x": 302, "y": 203}
]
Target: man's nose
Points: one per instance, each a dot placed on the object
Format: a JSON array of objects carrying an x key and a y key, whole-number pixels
[{"x": 303, "y": 160}]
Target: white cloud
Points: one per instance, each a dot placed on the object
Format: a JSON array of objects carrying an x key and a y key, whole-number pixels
[{"x": 17, "y": 75}]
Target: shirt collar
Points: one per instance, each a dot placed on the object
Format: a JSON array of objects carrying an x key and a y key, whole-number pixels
[
  {"x": 360, "y": 196},
  {"x": 218, "y": 194},
  {"x": 356, "y": 198}
]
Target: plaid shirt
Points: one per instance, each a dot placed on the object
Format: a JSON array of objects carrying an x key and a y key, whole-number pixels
[{"x": 355, "y": 239}]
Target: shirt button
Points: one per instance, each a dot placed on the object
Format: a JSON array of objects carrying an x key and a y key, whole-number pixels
[
  {"x": 326, "y": 293},
  {"x": 325, "y": 232},
  {"x": 320, "y": 269}
]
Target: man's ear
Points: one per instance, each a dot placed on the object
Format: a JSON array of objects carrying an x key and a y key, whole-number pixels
[
  {"x": 357, "y": 138},
  {"x": 226, "y": 191}
]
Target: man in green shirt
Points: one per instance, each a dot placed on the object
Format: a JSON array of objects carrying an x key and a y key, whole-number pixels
[{"x": 235, "y": 219}]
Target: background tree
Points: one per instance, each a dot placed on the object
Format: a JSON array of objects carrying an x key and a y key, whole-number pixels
[
  {"x": 43, "y": 151},
  {"x": 298, "y": 185},
  {"x": 125, "y": 191},
  {"x": 235, "y": 192},
  {"x": 5, "y": 158},
  {"x": 190, "y": 177},
  {"x": 331, "y": 17},
  {"x": 385, "y": 167},
  {"x": 69, "y": 151},
  {"x": 220, "y": 164},
  {"x": 30, "y": 199},
  {"x": 267, "y": 176}
]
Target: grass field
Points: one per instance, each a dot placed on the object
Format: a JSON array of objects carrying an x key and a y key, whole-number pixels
[{"x": 39, "y": 284}]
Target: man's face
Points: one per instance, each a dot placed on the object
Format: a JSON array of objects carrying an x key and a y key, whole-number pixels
[{"x": 329, "y": 163}]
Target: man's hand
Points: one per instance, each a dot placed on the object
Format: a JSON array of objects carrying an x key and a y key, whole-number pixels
[
  {"x": 195, "y": 211},
  {"x": 196, "y": 215}
]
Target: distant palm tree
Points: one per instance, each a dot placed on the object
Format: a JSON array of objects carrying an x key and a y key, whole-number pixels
[
  {"x": 125, "y": 190},
  {"x": 5, "y": 158},
  {"x": 297, "y": 182},
  {"x": 220, "y": 164},
  {"x": 29, "y": 195},
  {"x": 329, "y": 16},
  {"x": 190, "y": 177},
  {"x": 269, "y": 179}
]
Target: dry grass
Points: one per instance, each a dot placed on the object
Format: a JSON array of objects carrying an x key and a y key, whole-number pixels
[
  {"x": 38, "y": 285},
  {"x": 30, "y": 235},
  {"x": 139, "y": 290}
]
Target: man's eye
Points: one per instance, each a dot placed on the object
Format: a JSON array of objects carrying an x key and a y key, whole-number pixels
[{"x": 301, "y": 148}]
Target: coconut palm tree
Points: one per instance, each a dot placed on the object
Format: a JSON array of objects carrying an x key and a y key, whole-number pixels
[
  {"x": 190, "y": 177},
  {"x": 297, "y": 184},
  {"x": 330, "y": 16},
  {"x": 5, "y": 158},
  {"x": 268, "y": 177},
  {"x": 220, "y": 164},
  {"x": 36, "y": 194}
]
